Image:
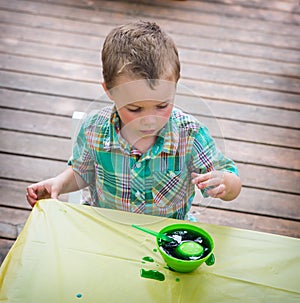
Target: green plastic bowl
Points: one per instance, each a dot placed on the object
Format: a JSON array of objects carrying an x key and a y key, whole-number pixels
[{"x": 185, "y": 266}]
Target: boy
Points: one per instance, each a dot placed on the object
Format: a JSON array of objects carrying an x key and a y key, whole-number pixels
[{"x": 143, "y": 155}]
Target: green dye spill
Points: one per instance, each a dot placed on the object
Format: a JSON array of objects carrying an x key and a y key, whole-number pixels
[
  {"x": 155, "y": 250},
  {"x": 177, "y": 280},
  {"x": 148, "y": 259},
  {"x": 152, "y": 274},
  {"x": 79, "y": 296}
]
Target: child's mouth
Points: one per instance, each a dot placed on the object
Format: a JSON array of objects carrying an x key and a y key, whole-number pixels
[{"x": 148, "y": 131}]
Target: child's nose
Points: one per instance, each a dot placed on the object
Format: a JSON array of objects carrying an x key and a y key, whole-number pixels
[{"x": 149, "y": 120}]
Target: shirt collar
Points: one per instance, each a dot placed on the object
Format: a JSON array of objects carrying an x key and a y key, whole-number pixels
[{"x": 167, "y": 141}]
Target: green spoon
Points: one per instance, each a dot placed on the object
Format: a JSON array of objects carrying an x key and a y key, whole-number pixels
[
  {"x": 153, "y": 233},
  {"x": 184, "y": 249}
]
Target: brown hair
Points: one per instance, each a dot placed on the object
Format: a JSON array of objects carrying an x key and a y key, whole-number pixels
[{"x": 140, "y": 50}]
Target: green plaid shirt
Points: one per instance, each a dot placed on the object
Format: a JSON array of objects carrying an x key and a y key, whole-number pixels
[{"x": 157, "y": 182}]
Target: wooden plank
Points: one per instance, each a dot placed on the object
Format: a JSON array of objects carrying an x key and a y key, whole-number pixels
[
  {"x": 250, "y": 201},
  {"x": 287, "y": 6},
  {"x": 238, "y": 94},
  {"x": 91, "y": 57},
  {"x": 29, "y": 169},
  {"x": 55, "y": 69},
  {"x": 238, "y": 112},
  {"x": 35, "y": 145},
  {"x": 247, "y": 202},
  {"x": 12, "y": 216},
  {"x": 50, "y": 86},
  {"x": 30, "y": 101},
  {"x": 270, "y": 178},
  {"x": 259, "y": 154},
  {"x": 82, "y": 72},
  {"x": 253, "y": 176},
  {"x": 182, "y": 41},
  {"x": 91, "y": 91},
  {"x": 232, "y": 10},
  {"x": 241, "y": 78},
  {"x": 255, "y": 201},
  {"x": 61, "y": 127},
  {"x": 254, "y": 133},
  {"x": 133, "y": 9},
  {"x": 36, "y": 123},
  {"x": 5, "y": 246},
  {"x": 13, "y": 194},
  {"x": 249, "y": 114},
  {"x": 83, "y": 27},
  {"x": 8, "y": 231},
  {"x": 55, "y": 148},
  {"x": 236, "y": 62},
  {"x": 191, "y": 8},
  {"x": 246, "y": 221},
  {"x": 43, "y": 103}
]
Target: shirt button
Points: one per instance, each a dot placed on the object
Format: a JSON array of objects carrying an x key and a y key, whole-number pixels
[
  {"x": 137, "y": 194},
  {"x": 138, "y": 165},
  {"x": 171, "y": 174}
]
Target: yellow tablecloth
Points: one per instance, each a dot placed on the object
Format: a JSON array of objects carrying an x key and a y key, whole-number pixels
[{"x": 74, "y": 253}]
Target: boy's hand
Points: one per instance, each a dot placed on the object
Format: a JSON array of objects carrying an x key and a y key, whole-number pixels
[
  {"x": 214, "y": 180},
  {"x": 42, "y": 190},
  {"x": 223, "y": 185}
]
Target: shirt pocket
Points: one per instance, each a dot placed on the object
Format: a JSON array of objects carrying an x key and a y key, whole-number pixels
[{"x": 169, "y": 188}]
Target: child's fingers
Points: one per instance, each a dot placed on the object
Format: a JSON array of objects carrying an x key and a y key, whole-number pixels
[
  {"x": 31, "y": 200},
  {"x": 217, "y": 192},
  {"x": 31, "y": 191},
  {"x": 197, "y": 178}
]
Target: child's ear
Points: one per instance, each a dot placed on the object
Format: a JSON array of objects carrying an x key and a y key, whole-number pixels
[{"x": 106, "y": 91}]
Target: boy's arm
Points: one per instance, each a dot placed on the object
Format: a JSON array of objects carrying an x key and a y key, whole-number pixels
[
  {"x": 220, "y": 184},
  {"x": 65, "y": 182}
]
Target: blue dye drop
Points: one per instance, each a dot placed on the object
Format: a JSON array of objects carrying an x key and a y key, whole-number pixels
[{"x": 79, "y": 296}]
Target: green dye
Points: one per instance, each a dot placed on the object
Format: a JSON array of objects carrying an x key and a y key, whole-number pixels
[
  {"x": 177, "y": 280},
  {"x": 152, "y": 274},
  {"x": 155, "y": 250},
  {"x": 148, "y": 259}
]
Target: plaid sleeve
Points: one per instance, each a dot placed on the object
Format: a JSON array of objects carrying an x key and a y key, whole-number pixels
[
  {"x": 207, "y": 157},
  {"x": 82, "y": 160}
]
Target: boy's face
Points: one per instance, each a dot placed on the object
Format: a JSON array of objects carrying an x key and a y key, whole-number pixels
[
  {"x": 143, "y": 111},
  {"x": 145, "y": 118}
]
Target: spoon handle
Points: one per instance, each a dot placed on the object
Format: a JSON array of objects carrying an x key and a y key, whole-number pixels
[{"x": 153, "y": 233}]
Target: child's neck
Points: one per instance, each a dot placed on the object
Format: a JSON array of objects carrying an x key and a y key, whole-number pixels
[
  {"x": 141, "y": 144},
  {"x": 144, "y": 144}
]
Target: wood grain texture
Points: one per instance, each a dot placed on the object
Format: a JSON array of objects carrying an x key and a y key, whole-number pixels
[{"x": 240, "y": 77}]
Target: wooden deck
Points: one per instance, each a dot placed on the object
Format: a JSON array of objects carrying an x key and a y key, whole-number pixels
[{"x": 240, "y": 59}]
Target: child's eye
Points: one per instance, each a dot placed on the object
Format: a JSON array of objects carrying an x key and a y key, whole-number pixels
[
  {"x": 164, "y": 105},
  {"x": 134, "y": 109}
]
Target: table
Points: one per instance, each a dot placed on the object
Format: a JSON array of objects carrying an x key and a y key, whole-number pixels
[{"x": 75, "y": 253}]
